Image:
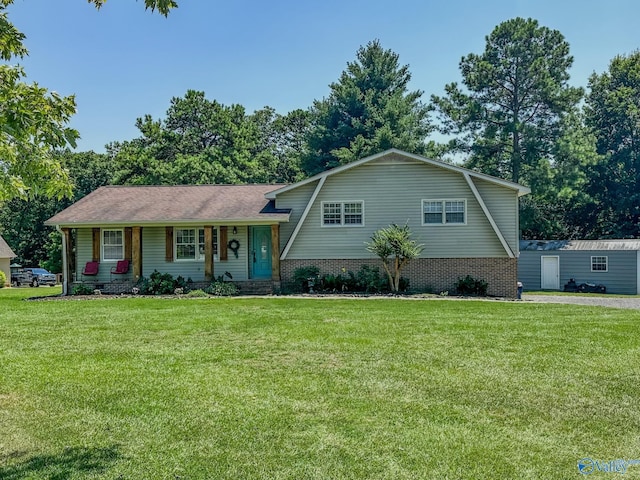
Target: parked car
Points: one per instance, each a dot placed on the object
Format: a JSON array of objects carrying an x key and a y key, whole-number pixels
[
  {"x": 40, "y": 276},
  {"x": 20, "y": 277}
]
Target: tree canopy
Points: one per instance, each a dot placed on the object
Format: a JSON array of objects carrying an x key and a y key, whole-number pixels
[
  {"x": 33, "y": 120},
  {"x": 369, "y": 109},
  {"x": 162, "y": 6},
  {"x": 508, "y": 117},
  {"x": 613, "y": 113}
]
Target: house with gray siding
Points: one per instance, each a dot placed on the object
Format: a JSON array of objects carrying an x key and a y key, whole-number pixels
[
  {"x": 550, "y": 264},
  {"x": 467, "y": 221},
  {"x": 6, "y": 254}
]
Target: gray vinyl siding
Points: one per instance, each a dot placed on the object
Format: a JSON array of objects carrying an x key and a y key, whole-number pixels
[
  {"x": 84, "y": 252},
  {"x": 503, "y": 205},
  {"x": 5, "y": 267},
  {"x": 392, "y": 192},
  {"x": 621, "y": 277},
  {"x": 297, "y": 200},
  {"x": 153, "y": 257}
]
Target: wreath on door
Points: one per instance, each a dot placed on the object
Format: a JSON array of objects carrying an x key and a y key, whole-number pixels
[{"x": 234, "y": 246}]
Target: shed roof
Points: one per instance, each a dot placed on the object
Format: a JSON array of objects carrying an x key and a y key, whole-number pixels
[
  {"x": 139, "y": 205},
  {"x": 554, "y": 245},
  {"x": 5, "y": 249}
]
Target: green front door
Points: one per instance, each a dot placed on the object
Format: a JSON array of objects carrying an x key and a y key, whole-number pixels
[{"x": 261, "y": 251}]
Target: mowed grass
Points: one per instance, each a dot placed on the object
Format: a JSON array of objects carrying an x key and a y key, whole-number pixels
[{"x": 290, "y": 388}]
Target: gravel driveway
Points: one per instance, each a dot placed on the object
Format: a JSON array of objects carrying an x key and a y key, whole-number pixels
[{"x": 613, "y": 302}]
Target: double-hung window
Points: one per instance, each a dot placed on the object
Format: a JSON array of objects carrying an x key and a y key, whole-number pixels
[
  {"x": 343, "y": 213},
  {"x": 190, "y": 244},
  {"x": 112, "y": 245},
  {"x": 599, "y": 264},
  {"x": 444, "y": 212}
]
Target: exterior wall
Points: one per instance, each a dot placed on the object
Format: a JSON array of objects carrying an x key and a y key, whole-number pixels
[
  {"x": 504, "y": 207},
  {"x": 296, "y": 200},
  {"x": 392, "y": 192},
  {"x": 435, "y": 274},
  {"x": 621, "y": 277},
  {"x": 153, "y": 257},
  {"x": 4, "y": 266}
]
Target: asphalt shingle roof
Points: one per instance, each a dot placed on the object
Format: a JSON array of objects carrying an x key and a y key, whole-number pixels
[
  {"x": 182, "y": 203},
  {"x": 5, "y": 250}
]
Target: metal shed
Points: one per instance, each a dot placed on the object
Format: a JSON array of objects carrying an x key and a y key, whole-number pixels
[{"x": 549, "y": 264}]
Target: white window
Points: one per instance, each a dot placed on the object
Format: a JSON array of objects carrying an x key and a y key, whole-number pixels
[
  {"x": 342, "y": 213},
  {"x": 441, "y": 212},
  {"x": 112, "y": 245},
  {"x": 190, "y": 243},
  {"x": 599, "y": 264}
]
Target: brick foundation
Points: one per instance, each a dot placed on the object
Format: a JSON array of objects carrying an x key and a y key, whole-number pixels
[{"x": 428, "y": 274}]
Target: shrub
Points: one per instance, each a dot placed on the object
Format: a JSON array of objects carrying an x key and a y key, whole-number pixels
[
  {"x": 369, "y": 280},
  {"x": 82, "y": 290},
  {"x": 3, "y": 279},
  {"x": 301, "y": 277},
  {"x": 197, "y": 294},
  {"x": 161, "y": 284},
  {"x": 471, "y": 286},
  {"x": 222, "y": 289}
]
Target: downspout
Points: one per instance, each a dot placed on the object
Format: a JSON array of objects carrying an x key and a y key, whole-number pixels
[{"x": 65, "y": 265}]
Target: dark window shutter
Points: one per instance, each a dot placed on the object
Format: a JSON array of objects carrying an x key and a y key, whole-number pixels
[
  {"x": 224, "y": 252},
  {"x": 96, "y": 245},
  {"x": 168, "y": 255},
  {"x": 127, "y": 243}
]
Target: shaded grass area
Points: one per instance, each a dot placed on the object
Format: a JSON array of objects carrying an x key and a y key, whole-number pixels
[{"x": 290, "y": 388}]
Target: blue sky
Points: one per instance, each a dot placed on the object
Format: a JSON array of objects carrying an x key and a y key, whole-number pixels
[{"x": 123, "y": 62}]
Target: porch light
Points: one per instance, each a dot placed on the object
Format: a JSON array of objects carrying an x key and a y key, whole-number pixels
[{"x": 235, "y": 230}]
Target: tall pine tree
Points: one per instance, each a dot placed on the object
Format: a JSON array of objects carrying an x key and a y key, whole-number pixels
[{"x": 369, "y": 109}]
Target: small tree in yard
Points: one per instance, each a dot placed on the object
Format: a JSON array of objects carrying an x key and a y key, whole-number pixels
[{"x": 395, "y": 248}]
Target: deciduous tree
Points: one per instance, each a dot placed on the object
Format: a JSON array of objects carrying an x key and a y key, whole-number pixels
[{"x": 33, "y": 120}]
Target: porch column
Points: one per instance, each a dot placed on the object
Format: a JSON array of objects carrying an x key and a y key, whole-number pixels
[
  {"x": 208, "y": 252},
  {"x": 275, "y": 252},
  {"x": 136, "y": 252},
  {"x": 67, "y": 261}
]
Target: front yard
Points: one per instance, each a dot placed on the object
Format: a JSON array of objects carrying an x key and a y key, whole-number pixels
[{"x": 290, "y": 388}]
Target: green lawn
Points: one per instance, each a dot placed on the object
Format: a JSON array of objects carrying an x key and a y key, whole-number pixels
[{"x": 314, "y": 388}]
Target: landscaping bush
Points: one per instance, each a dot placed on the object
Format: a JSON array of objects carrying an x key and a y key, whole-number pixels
[
  {"x": 338, "y": 283},
  {"x": 82, "y": 290},
  {"x": 162, "y": 284},
  {"x": 471, "y": 286},
  {"x": 3, "y": 279},
  {"x": 301, "y": 278},
  {"x": 222, "y": 289},
  {"x": 197, "y": 293},
  {"x": 369, "y": 280}
]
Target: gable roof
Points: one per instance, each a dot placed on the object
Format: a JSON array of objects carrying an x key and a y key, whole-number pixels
[
  {"x": 140, "y": 205},
  {"x": 522, "y": 190},
  {"x": 554, "y": 245},
  {"x": 5, "y": 249}
]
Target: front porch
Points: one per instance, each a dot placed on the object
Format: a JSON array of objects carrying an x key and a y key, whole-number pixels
[{"x": 249, "y": 254}]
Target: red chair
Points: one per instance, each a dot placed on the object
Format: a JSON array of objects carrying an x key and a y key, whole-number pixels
[
  {"x": 121, "y": 268},
  {"x": 90, "y": 269}
]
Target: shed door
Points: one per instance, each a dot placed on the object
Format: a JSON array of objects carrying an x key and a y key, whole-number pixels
[{"x": 550, "y": 276}]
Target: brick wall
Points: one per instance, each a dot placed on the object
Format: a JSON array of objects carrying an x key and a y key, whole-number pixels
[{"x": 434, "y": 274}]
